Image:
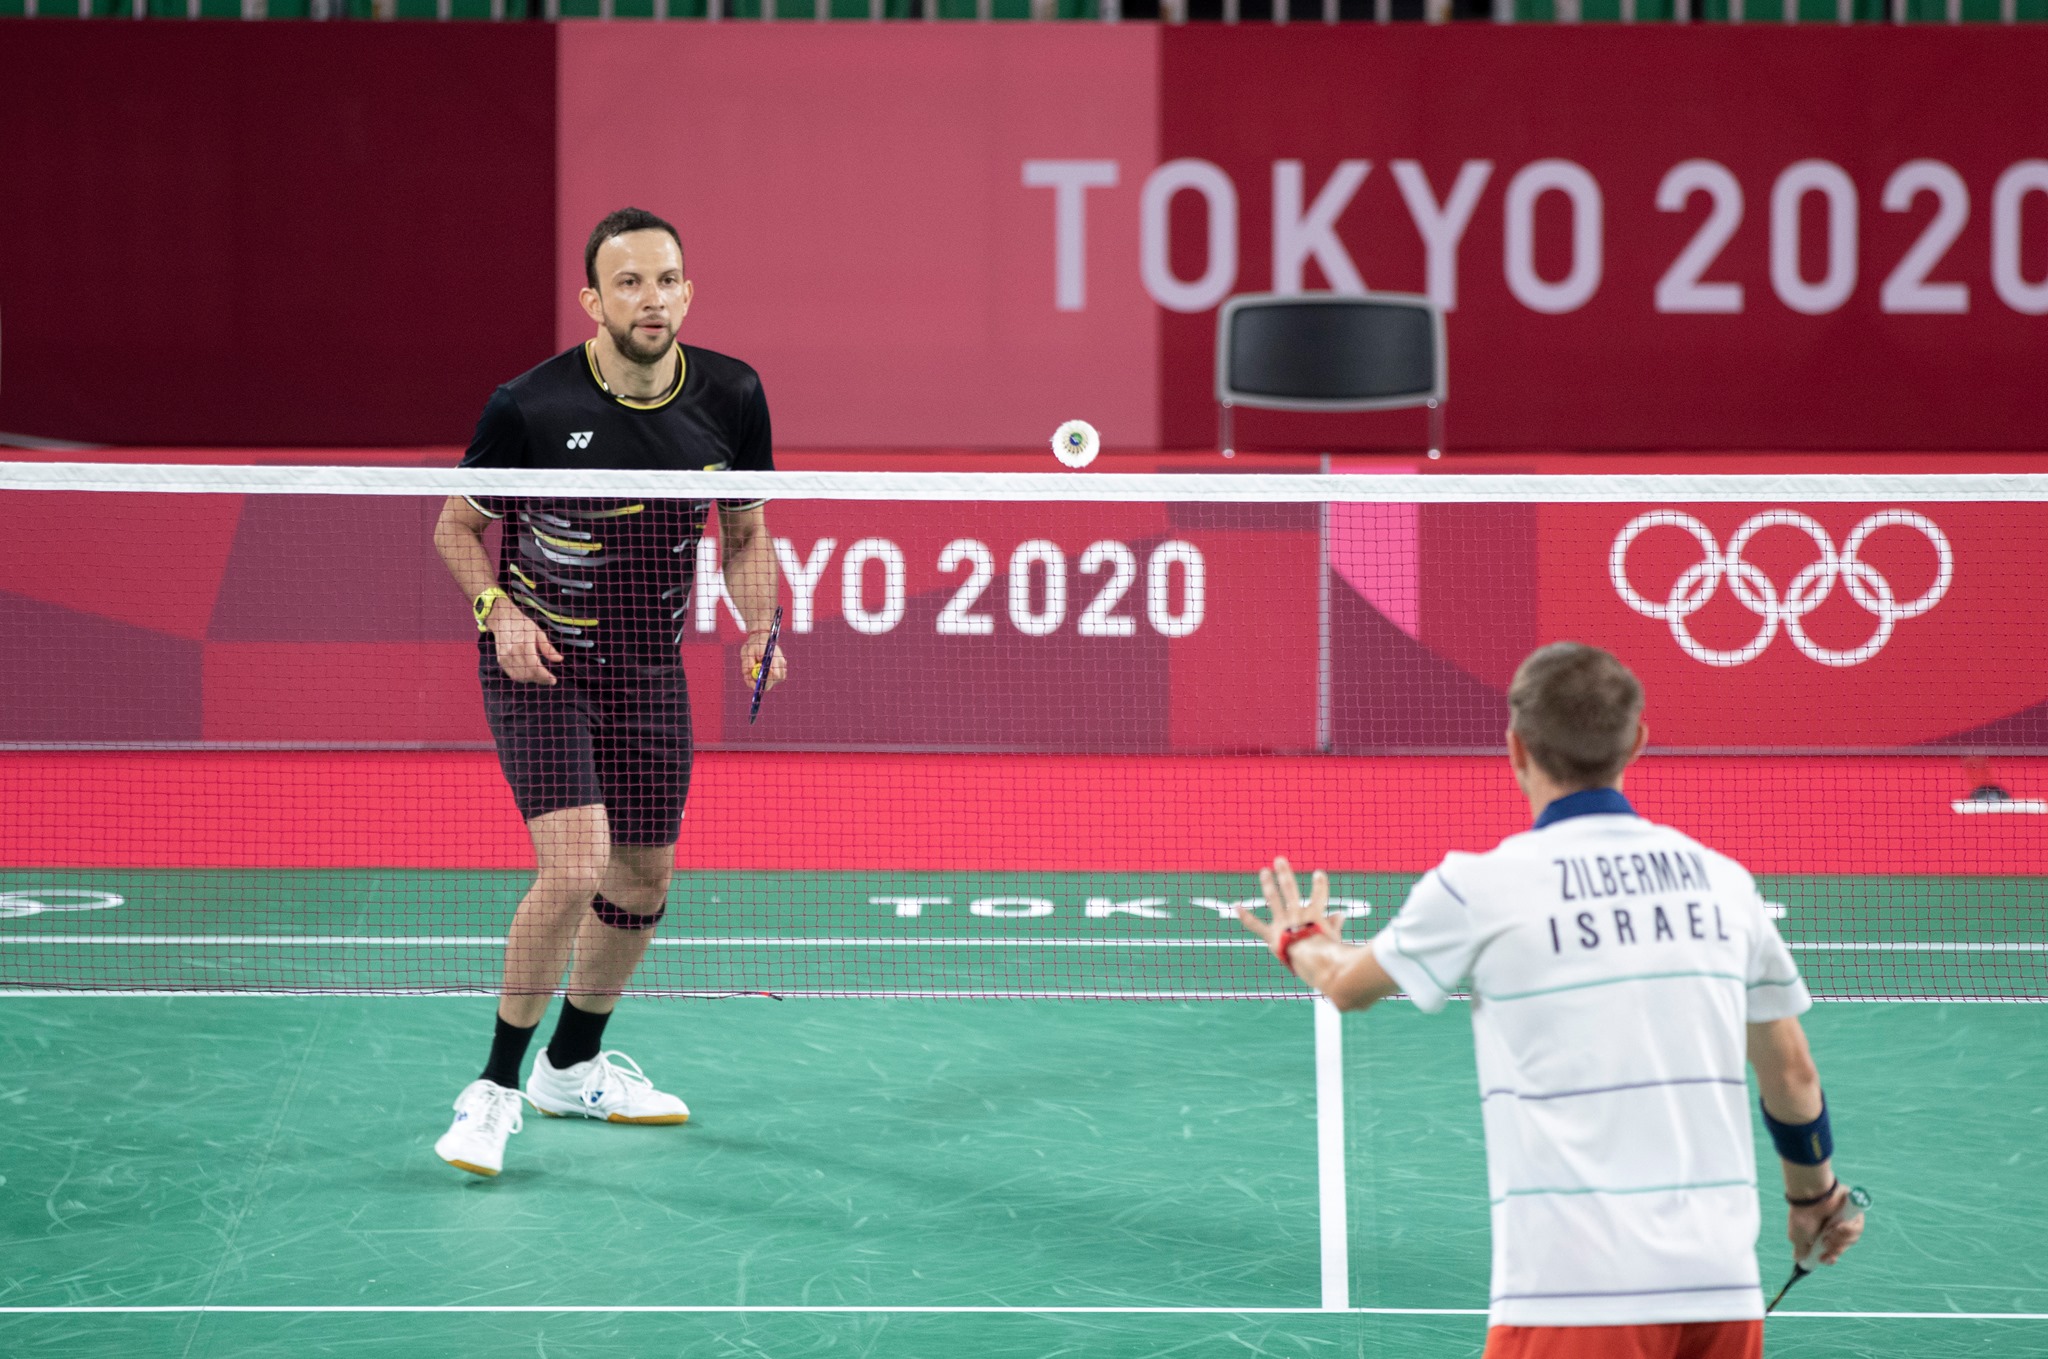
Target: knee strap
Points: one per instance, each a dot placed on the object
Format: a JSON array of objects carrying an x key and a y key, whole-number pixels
[{"x": 621, "y": 919}]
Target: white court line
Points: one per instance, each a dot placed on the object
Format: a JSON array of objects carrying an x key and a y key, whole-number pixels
[
  {"x": 1330, "y": 1196},
  {"x": 804, "y": 941},
  {"x": 1917, "y": 946},
  {"x": 679, "y": 941},
  {"x": 1920, "y": 1316},
  {"x": 684, "y": 1309},
  {"x": 818, "y": 993},
  {"x": 651, "y": 993},
  {"x": 663, "y": 1309}
]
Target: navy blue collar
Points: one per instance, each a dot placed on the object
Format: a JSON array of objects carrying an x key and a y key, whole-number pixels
[{"x": 1585, "y": 802}]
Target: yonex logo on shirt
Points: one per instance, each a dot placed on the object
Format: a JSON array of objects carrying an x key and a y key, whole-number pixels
[{"x": 581, "y": 438}]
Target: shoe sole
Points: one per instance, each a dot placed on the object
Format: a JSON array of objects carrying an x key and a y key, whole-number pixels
[
  {"x": 484, "y": 1171},
  {"x": 653, "y": 1121}
]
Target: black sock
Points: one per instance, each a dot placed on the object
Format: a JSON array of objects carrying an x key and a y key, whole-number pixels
[
  {"x": 508, "y": 1050},
  {"x": 578, "y": 1035}
]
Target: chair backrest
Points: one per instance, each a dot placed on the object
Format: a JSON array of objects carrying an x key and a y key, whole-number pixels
[{"x": 1329, "y": 351}]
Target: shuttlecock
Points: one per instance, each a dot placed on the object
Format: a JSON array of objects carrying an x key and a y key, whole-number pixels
[{"x": 1076, "y": 443}]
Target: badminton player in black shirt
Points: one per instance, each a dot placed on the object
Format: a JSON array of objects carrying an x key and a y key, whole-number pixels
[{"x": 579, "y": 623}]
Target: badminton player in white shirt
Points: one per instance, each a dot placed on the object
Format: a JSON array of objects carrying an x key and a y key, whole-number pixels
[{"x": 1619, "y": 971}]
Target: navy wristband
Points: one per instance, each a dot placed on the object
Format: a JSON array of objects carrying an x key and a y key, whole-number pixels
[{"x": 1802, "y": 1144}]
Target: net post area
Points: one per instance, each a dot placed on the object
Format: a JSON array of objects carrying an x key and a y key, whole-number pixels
[{"x": 1037, "y": 733}]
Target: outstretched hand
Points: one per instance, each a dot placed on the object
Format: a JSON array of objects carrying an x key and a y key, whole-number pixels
[{"x": 1285, "y": 908}]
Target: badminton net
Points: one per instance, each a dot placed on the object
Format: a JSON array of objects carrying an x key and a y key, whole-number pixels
[{"x": 1038, "y": 732}]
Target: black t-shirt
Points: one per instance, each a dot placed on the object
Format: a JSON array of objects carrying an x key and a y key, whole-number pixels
[{"x": 610, "y": 579}]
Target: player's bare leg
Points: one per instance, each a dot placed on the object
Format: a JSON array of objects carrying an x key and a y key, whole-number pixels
[
  {"x": 635, "y": 881},
  {"x": 595, "y": 905},
  {"x": 572, "y": 848},
  {"x": 576, "y": 1076}
]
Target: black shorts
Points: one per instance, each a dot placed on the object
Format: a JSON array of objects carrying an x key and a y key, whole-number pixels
[{"x": 619, "y": 736}]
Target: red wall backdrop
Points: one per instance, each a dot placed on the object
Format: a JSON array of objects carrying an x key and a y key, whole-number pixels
[
  {"x": 271, "y": 233},
  {"x": 1082, "y": 628},
  {"x": 1616, "y": 112},
  {"x": 328, "y": 619},
  {"x": 925, "y": 236},
  {"x": 1778, "y": 626}
]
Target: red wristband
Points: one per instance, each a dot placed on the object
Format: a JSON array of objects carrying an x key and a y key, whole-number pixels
[{"x": 1288, "y": 939}]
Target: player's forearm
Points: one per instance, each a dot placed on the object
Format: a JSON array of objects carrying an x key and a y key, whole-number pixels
[
  {"x": 1349, "y": 976},
  {"x": 750, "y": 576},
  {"x": 1785, "y": 1074},
  {"x": 1317, "y": 962},
  {"x": 1789, "y": 1084},
  {"x": 461, "y": 546}
]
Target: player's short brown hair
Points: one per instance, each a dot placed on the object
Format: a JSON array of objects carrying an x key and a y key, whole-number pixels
[
  {"x": 618, "y": 224},
  {"x": 1576, "y": 708}
]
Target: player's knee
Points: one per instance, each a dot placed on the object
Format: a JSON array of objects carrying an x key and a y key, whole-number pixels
[
  {"x": 633, "y": 884},
  {"x": 573, "y": 882}
]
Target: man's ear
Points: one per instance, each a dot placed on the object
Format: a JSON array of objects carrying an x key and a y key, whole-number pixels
[
  {"x": 1518, "y": 754},
  {"x": 593, "y": 304},
  {"x": 1642, "y": 740}
]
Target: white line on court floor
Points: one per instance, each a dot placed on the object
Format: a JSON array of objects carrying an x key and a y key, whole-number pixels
[
  {"x": 646, "y": 993},
  {"x": 814, "y": 993},
  {"x": 1330, "y": 1195},
  {"x": 811, "y": 941},
  {"x": 679, "y": 941},
  {"x": 667, "y": 1309}
]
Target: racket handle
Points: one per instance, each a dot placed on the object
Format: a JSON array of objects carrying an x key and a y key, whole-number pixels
[{"x": 1859, "y": 1199}]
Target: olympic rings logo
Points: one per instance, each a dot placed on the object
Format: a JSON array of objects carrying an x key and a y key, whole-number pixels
[{"x": 1756, "y": 591}]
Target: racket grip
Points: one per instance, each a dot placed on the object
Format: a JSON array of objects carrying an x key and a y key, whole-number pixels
[{"x": 1859, "y": 1199}]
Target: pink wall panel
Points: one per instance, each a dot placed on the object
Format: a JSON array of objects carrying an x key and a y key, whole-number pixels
[
  {"x": 148, "y": 561},
  {"x": 853, "y": 206},
  {"x": 342, "y": 692}
]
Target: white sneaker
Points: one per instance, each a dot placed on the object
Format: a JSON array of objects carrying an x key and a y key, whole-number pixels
[
  {"x": 600, "y": 1089},
  {"x": 486, "y": 1113}
]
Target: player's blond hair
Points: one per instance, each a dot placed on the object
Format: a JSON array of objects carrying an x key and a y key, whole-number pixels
[{"x": 1576, "y": 708}]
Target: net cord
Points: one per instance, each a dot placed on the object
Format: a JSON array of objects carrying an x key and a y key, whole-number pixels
[{"x": 1056, "y": 487}]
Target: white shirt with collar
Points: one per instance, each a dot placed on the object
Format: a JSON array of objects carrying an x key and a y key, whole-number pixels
[{"x": 1613, "y": 964}]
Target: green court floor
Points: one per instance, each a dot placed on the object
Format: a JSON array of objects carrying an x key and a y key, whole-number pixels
[
  {"x": 1016, "y": 1160},
  {"x": 1042, "y": 934}
]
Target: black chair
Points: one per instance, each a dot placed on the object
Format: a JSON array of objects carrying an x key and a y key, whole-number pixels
[{"x": 1330, "y": 352}]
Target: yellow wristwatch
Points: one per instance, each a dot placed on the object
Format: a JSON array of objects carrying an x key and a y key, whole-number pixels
[{"x": 483, "y": 604}]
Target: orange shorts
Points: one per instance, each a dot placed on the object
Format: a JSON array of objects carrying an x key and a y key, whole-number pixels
[{"x": 1676, "y": 1340}]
